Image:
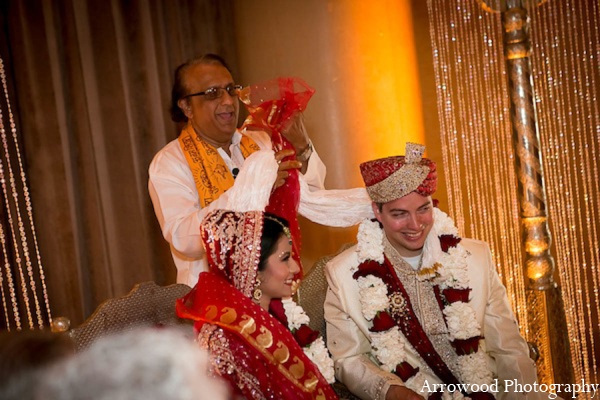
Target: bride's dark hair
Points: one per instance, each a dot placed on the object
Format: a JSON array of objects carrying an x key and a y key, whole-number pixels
[{"x": 274, "y": 227}]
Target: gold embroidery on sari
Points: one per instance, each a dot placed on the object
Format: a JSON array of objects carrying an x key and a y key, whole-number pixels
[
  {"x": 211, "y": 312},
  {"x": 247, "y": 325},
  {"x": 229, "y": 315},
  {"x": 297, "y": 369},
  {"x": 311, "y": 382},
  {"x": 265, "y": 339},
  {"x": 223, "y": 361},
  {"x": 282, "y": 353}
]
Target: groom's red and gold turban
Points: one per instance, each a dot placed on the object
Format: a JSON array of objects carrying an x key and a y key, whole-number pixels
[{"x": 391, "y": 178}]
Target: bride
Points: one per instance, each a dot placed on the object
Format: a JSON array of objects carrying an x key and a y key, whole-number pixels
[{"x": 262, "y": 348}]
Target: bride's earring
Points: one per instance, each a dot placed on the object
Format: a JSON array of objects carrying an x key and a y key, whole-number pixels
[{"x": 257, "y": 292}]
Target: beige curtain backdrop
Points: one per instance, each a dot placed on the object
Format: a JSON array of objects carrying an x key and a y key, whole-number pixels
[{"x": 92, "y": 82}]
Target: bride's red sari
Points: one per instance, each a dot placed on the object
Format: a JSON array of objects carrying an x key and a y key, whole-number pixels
[
  {"x": 257, "y": 354},
  {"x": 251, "y": 349}
]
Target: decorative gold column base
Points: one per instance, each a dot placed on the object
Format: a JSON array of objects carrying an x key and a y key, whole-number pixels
[
  {"x": 538, "y": 334},
  {"x": 559, "y": 339},
  {"x": 545, "y": 310}
]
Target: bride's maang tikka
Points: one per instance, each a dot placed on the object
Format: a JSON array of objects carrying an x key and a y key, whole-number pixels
[{"x": 286, "y": 230}]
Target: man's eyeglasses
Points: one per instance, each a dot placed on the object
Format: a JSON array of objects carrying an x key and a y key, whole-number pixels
[{"x": 216, "y": 92}]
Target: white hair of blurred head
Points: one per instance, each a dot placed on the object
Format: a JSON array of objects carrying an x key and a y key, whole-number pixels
[{"x": 145, "y": 363}]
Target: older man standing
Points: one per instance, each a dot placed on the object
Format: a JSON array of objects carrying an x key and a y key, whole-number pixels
[
  {"x": 191, "y": 175},
  {"x": 412, "y": 310}
]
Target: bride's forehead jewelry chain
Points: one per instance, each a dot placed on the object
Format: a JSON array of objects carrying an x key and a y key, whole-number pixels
[{"x": 286, "y": 230}]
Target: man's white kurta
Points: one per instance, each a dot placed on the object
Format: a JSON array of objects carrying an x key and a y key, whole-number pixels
[{"x": 177, "y": 204}]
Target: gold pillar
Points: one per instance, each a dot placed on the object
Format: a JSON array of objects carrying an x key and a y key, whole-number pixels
[{"x": 544, "y": 301}]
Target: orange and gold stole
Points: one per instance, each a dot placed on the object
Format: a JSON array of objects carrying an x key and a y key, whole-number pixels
[{"x": 211, "y": 175}]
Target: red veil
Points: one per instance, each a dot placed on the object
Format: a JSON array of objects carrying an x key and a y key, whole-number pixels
[{"x": 272, "y": 105}]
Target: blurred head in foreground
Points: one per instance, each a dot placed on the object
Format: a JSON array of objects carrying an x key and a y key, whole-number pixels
[{"x": 146, "y": 363}]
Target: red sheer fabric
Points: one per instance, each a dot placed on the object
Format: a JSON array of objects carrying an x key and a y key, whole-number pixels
[{"x": 272, "y": 105}]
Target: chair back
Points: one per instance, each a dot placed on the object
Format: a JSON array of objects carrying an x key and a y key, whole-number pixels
[
  {"x": 312, "y": 291},
  {"x": 147, "y": 304},
  {"x": 311, "y": 296}
]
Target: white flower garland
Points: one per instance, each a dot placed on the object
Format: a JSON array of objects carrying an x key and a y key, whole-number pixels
[
  {"x": 389, "y": 346},
  {"x": 448, "y": 271},
  {"x": 316, "y": 351},
  {"x": 373, "y": 296},
  {"x": 461, "y": 320},
  {"x": 370, "y": 241},
  {"x": 295, "y": 314}
]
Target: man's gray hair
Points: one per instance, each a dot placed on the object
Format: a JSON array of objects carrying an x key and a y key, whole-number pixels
[{"x": 145, "y": 363}]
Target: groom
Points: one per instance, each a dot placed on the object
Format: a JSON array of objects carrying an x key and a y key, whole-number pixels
[{"x": 412, "y": 310}]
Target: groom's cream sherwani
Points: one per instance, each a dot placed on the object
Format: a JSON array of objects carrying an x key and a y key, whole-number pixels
[{"x": 507, "y": 352}]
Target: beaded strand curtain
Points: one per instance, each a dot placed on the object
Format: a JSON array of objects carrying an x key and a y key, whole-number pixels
[
  {"x": 475, "y": 131},
  {"x": 566, "y": 75},
  {"x": 473, "y": 108},
  {"x": 21, "y": 270}
]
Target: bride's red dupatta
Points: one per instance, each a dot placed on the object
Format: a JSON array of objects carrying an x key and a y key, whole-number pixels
[{"x": 214, "y": 301}]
